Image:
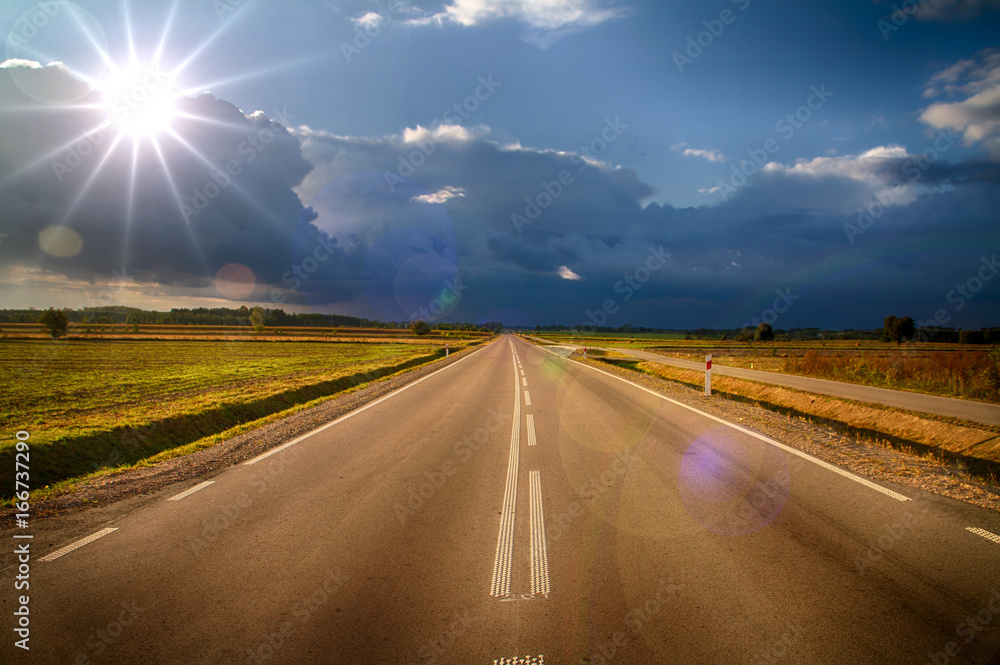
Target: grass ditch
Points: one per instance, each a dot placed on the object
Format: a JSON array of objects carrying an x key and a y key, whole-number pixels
[
  {"x": 60, "y": 462},
  {"x": 969, "y": 447}
]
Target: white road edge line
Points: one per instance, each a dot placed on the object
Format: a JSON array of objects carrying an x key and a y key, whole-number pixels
[
  {"x": 539, "y": 551},
  {"x": 504, "y": 559},
  {"x": 192, "y": 490},
  {"x": 788, "y": 449},
  {"x": 984, "y": 533},
  {"x": 78, "y": 544},
  {"x": 531, "y": 430},
  {"x": 344, "y": 417}
]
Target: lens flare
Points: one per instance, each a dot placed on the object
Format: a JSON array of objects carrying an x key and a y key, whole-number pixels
[
  {"x": 731, "y": 487},
  {"x": 235, "y": 281},
  {"x": 60, "y": 241}
]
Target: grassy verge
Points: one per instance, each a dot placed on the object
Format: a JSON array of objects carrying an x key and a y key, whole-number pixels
[{"x": 972, "y": 447}]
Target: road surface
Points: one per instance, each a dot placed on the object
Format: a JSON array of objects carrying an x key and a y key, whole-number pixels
[{"x": 517, "y": 507}]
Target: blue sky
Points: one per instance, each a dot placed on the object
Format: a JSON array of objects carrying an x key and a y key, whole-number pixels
[{"x": 868, "y": 134}]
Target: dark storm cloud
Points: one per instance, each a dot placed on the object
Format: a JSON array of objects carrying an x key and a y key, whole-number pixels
[
  {"x": 723, "y": 261},
  {"x": 453, "y": 223}
]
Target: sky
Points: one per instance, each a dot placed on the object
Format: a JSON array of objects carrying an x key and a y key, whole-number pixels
[{"x": 606, "y": 162}]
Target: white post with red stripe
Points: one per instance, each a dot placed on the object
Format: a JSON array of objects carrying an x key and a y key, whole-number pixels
[{"x": 708, "y": 375}]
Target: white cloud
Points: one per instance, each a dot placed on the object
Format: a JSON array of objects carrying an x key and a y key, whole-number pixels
[
  {"x": 977, "y": 116},
  {"x": 369, "y": 21},
  {"x": 967, "y": 76},
  {"x": 865, "y": 166},
  {"x": 566, "y": 273},
  {"x": 548, "y": 19},
  {"x": 710, "y": 155},
  {"x": 21, "y": 62},
  {"x": 441, "y": 196},
  {"x": 871, "y": 172},
  {"x": 454, "y": 133}
]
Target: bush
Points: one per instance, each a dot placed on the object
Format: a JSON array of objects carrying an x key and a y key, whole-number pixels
[
  {"x": 764, "y": 333},
  {"x": 55, "y": 320}
]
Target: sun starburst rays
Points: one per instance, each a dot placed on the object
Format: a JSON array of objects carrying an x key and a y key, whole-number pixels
[{"x": 135, "y": 104}]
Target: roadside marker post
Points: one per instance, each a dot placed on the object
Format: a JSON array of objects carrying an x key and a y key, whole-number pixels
[
  {"x": 446, "y": 350},
  {"x": 708, "y": 375}
]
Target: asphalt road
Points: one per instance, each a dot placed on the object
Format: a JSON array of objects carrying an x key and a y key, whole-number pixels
[
  {"x": 978, "y": 412},
  {"x": 517, "y": 505}
]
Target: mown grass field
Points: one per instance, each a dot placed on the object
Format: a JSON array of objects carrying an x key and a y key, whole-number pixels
[{"x": 92, "y": 404}]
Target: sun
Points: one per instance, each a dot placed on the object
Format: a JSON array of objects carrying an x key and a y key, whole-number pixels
[
  {"x": 141, "y": 103},
  {"x": 140, "y": 100}
]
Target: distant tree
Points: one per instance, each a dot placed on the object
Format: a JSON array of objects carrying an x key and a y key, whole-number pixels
[
  {"x": 257, "y": 319},
  {"x": 745, "y": 335},
  {"x": 55, "y": 320},
  {"x": 420, "y": 327},
  {"x": 907, "y": 329},
  {"x": 764, "y": 333},
  {"x": 890, "y": 329},
  {"x": 897, "y": 329}
]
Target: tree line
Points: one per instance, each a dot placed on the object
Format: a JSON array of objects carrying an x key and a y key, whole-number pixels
[{"x": 57, "y": 320}]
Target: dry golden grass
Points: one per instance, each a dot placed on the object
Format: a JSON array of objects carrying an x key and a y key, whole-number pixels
[
  {"x": 950, "y": 371},
  {"x": 963, "y": 439}
]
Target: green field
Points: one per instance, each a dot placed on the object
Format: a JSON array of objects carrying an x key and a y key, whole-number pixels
[{"x": 96, "y": 404}]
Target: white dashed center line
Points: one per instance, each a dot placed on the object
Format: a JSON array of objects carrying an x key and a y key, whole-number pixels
[
  {"x": 527, "y": 398},
  {"x": 531, "y": 430}
]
